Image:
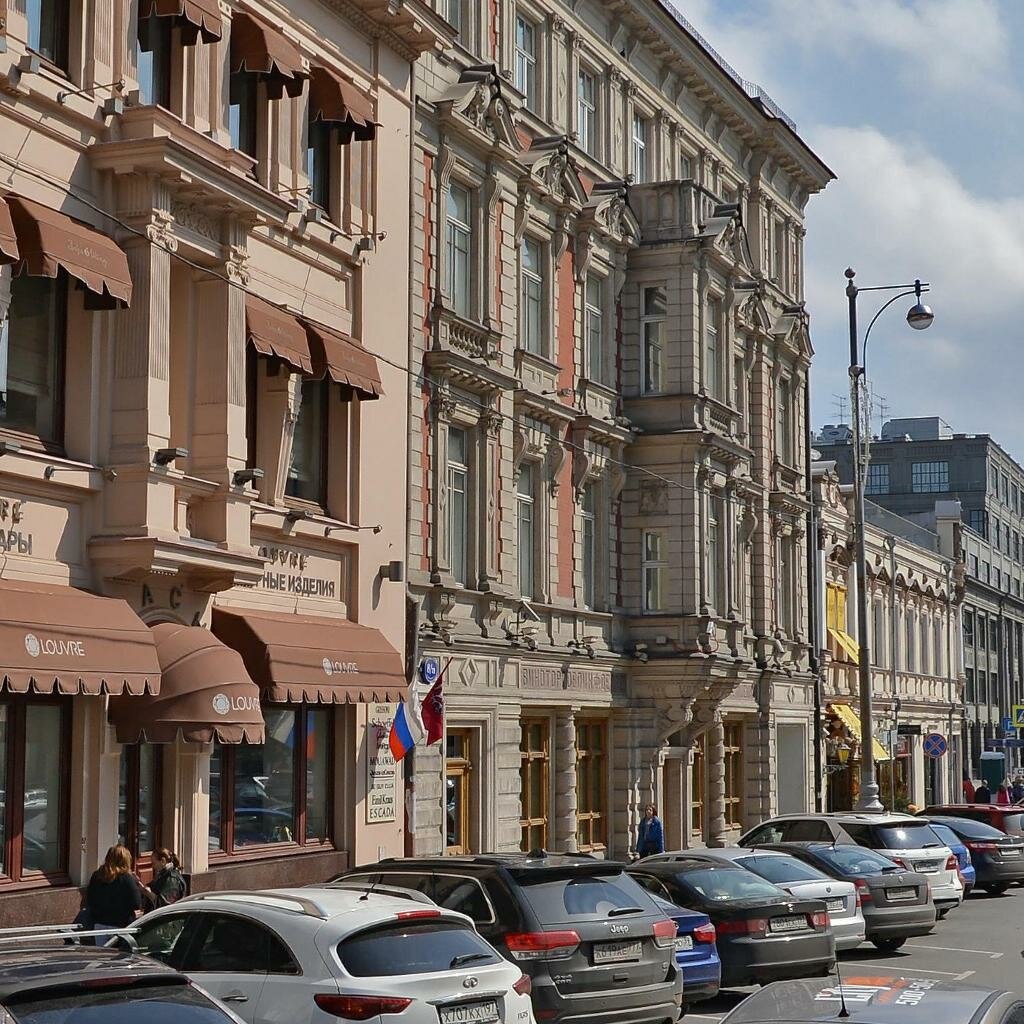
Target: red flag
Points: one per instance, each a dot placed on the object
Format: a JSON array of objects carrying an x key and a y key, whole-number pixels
[{"x": 432, "y": 712}]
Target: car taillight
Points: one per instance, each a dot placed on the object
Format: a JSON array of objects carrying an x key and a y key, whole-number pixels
[
  {"x": 753, "y": 926},
  {"x": 981, "y": 847},
  {"x": 819, "y": 919},
  {"x": 545, "y": 945},
  {"x": 704, "y": 933},
  {"x": 952, "y": 864},
  {"x": 901, "y": 862},
  {"x": 523, "y": 986},
  {"x": 416, "y": 915},
  {"x": 359, "y": 1007},
  {"x": 863, "y": 891},
  {"x": 665, "y": 933}
]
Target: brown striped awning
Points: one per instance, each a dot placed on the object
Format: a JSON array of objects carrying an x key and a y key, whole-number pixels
[
  {"x": 333, "y": 98},
  {"x": 344, "y": 361},
  {"x": 260, "y": 49},
  {"x": 273, "y": 332},
  {"x": 312, "y": 658},
  {"x": 8, "y": 239},
  {"x": 195, "y": 17}
]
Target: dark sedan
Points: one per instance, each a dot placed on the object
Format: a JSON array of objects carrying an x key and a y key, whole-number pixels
[
  {"x": 998, "y": 858},
  {"x": 764, "y": 934},
  {"x": 896, "y": 903}
]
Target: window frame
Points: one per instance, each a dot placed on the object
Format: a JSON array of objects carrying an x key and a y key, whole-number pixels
[
  {"x": 460, "y": 768},
  {"x": 321, "y": 164},
  {"x": 532, "y": 292},
  {"x": 712, "y": 347},
  {"x": 785, "y": 449},
  {"x": 525, "y": 61},
  {"x": 60, "y": 59},
  {"x": 659, "y": 320},
  {"x": 594, "y": 318},
  {"x": 247, "y": 132},
  {"x": 320, "y": 502},
  {"x": 456, "y": 255},
  {"x": 658, "y": 565},
  {"x": 464, "y": 469},
  {"x": 592, "y": 769},
  {"x": 925, "y": 476},
  {"x": 586, "y": 111},
  {"x": 131, "y": 754},
  {"x": 589, "y": 545},
  {"x": 526, "y": 530},
  {"x": 162, "y": 73},
  {"x": 877, "y": 482},
  {"x": 640, "y": 147},
  {"x": 531, "y": 760},
  {"x": 199, "y": 930},
  {"x": 732, "y": 773},
  {"x": 698, "y": 784}
]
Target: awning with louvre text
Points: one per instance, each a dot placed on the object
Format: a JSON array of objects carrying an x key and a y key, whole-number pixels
[
  {"x": 344, "y": 361},
  {"x": 273, "y": 332},
  {"x": 312, "y": 658},
  {"x": 205, "y": 694},
  {"x": 57, "y": 639},
  {"x": 49, "y": 240},
  {"x": 194, "y": 17},
  {"x": 8, "y": 239},
  {"x": 261, "y": 49},
  {"x": 332, "y": 98},
  {"x": 851, "y": 720}
]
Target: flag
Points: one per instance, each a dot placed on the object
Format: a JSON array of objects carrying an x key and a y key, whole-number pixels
[
  {"x": 432, "y": 711},
  {"x": 403, "y": 734}
]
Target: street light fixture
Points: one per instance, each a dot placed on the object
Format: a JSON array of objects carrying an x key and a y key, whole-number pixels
[{"x": 919, "y": 317}]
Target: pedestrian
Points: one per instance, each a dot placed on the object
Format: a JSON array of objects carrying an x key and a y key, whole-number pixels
[
  {"x": 1003, "y": 796},
  {"x": 968, "y": 790},
  {"x": 113, "y": 898},
  {"x": 1017, "y": 790},
  {"x": 168, "y": 885},
  {"x": 650, "y": 836},
  {"x": 983, "y": 795}
]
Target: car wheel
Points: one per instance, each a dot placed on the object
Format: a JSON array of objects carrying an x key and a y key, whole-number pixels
[
  {"x": 996, "y": 888},
  {"x": 888, "y": 945}
]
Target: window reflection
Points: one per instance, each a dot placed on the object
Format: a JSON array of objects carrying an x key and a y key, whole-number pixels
[
  {"x": 265, "y": 784},
  {"x": 43, "y": 811}
]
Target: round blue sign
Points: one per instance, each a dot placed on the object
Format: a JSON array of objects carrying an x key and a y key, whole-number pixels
[
  {"x": 934, "y": 744},
  {"x": 430, "y": 668}
]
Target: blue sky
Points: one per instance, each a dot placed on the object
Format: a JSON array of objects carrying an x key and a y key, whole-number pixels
[{"x": 917, "y": 107}]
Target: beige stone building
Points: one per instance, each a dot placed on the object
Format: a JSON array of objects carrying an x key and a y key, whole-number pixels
[
  {"x": 202, "y": 406},
  {"x": 607, "y": 535}
]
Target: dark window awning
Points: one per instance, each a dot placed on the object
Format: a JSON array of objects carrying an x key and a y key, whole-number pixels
[
  {"x": 345, "y": 361},
  {"x": 312, "y": 658},
  {"x": 205, "y": 694},
  {"x": 49, "y": 240},
  {"x": 56, "y": 639},
  {"x": 8, "y": 239},
  {"x": 332, "y": 98},
  {"x": 260, "y": 49},
  {"x": 195, "y": 17},
  {"x": 272, "y": 332}
]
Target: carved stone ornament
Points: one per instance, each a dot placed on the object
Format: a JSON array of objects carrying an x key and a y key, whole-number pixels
[
  {"x": 581, "y": 463},
  {"x": 160, "y": 230},
  {"x": 491, "y": 420},
  {"x": 442, "y": 406},
  {"x": 616, "y": 480},
  {"x": 236, "y": 265},
  {"x": 653, "y": 497},
  {"x": 554, "y": 459},
  {"x": 477, "y": 99},
  {"x": 197, "y": 219}
]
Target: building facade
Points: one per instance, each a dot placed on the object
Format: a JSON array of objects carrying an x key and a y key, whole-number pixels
[
  {"x": 202, "y": 440},
  {"x": 607, "y": 543}
]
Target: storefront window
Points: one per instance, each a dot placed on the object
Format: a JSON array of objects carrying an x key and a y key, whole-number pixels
[
  {"x": 533, "y": 777},
  {"x": 138, "y": 817},
  {"x": 264, "y": 784},
  {"x": 733, "y": 775},
  {"x": 591, "y": 813}
]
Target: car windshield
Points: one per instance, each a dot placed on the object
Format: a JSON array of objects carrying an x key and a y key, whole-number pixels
[
  {"x": 720, "y": 884},
  {"x": 854, "y": 860},
  {"x": 782, "y": 870},
  {"x": 1013, "y": 822},
  {"x": 970, "y": 829},
  {"x": 945, "y": 834},
  {"x": 155, "y": 1004},
  {"x": 426, "y": 947},
  {"x": 558, "y": 900},
  {"x": 906, "y": 837}
]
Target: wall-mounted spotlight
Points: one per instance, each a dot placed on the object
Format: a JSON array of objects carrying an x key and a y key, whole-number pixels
[
  {"x": 165, "y": 456},
  {"x": 393, "y": 572},
  {"x": 246, "y": 476},
  {"x": 9, "y": 447},
  {"x": 560, "y": 392},
  {"x": 295, "y": 515}
]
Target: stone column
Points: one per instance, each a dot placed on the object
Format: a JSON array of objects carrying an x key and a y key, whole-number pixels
[
  {"x": 564, "y": 759},
  {"x": 488, "y": 516},
  {"x": 718, "y": 835},
  {"x": 442, "y": 409}
]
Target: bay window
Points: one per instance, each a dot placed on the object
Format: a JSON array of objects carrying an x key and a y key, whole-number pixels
[
  {"x": 594, "y": 327},
  {"x": 653, "y": 314},
  {"x": 531, "y": 296},
  {"x": 458, "y": 503},
  {"x": 458, "y": 267},
  {"x": 153, "y": 53},
  {"x": 526, "y": 61},
  {"x": 49, "y": 29},
  {"x": 525, "y": 529},
  {"x": 307, "y": 473}
]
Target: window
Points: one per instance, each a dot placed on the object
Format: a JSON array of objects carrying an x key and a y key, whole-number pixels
[
  {"x": 712, "y": 356},
  {"x": 784, "y": 422},
  {"x": 531, "y": 296},
  {"x": 714, "y": 554},
  {"x": 997, "y": 533},
  {"x": 685, "y": 166},
  {"x": 973, "y": 561},
  {"x": 733, "y": 763},
  {"x": 457, "y": 249},
  {"x": 525, "y": 532},
  {"x": 49, "y": 23},
  {"x": 243, "y": 112},
  {"x": 655, "y": 570},
  {"x": 970, "y": 694},
  {"x": 588, "y": 541},
  {"x": 639, "y": 149},
  {"x": 779, "y": 252},
  {"x": 593, "y": 315},
  {"x": 458, "y": 778},
  {"x": 34, "y": 783},
  {"x": 994, "y": 476},
  {"x": 405, "y": 948},
  {"x": 993, "y": 635},
  {"x": 654, "y": 310},
  {"x": 591, "y": 788},
  {"x": 225, "y": 944},
  {"x": 278, "y": 792},
  {"x": 32, "y": 357},
  {"x": 321, "y": 145},
  {"x": 787, "y": 584},
  {"x": 453, "y": 14},
  {"x": 526, "y": 61},
  {"x": 307, "y": 476},
  {"x": 929, "y": 477},
  {"x": 533, "y": 778},
  {"x": 698, "y": 784},
  {"x": 969, "y": 630},
  {"x": 1005, "y": 489},
  {"x": 976, "y": 521},
  {"x": 878, "y": 478},
  {"x": 154, "y": 60},
  {"x": 586, "y": 112},
  {"x": 986, "y": 571},
  {"x": 139, "y": 803},
  {"x": 1016, "y": 546},
  {"x": 458, "y": 503}
]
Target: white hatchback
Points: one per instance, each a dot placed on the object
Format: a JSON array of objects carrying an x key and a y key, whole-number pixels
[{"x": 315, "y": 955}]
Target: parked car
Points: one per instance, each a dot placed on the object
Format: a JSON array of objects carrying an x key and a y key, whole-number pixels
[
  {"x": 998, "y": 858},
  {"x": 896, "y": 904},
  {"x": 99, "y": 986},
  {"x": 907, "y": 841},
  {"x": 1007, "y": 819},
  {"x": 696, "y": 952},
  {"x": 799, "y": 879},
  {"x": 963, "y": 856},
  {"x": 313, "y": 955},
  {"x": 595, "y": 945},
  {"x": 763, "y": 933}
]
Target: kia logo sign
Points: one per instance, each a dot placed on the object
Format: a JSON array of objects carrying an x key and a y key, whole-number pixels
[
  {"x": 34, "y": 646},
  {"x": 341, "y": 668},
  {"x": 223, "y": 704}
]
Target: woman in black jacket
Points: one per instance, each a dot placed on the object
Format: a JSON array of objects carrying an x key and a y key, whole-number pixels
[
  {"x": 114, "y": 896},
  {"x": 168, "y": 885}
]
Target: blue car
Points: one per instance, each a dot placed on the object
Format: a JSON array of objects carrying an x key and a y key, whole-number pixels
[
  {"x": 962, "y": 854},
  {"x": 696, "y": 952}
]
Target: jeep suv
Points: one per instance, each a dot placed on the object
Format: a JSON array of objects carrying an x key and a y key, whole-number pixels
[{"x": 597, "y": 948}]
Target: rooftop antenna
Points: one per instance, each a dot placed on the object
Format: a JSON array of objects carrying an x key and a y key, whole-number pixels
[
  {"x": 839, "y": 404},
  {"x": 843, "y": 1011}
]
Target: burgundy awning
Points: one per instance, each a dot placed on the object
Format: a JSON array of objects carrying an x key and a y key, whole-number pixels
[
  {"x": 260, "y": 49},
  {"x": 196, "y": 17},
  {"x": 332, "y": 98},
  {"x": 272, "y": 332},
  {"x": 8, "y": 239},
  {"x": 344, "y": 360}
]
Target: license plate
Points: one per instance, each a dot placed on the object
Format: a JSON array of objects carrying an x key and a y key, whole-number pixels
[
  {"x": 788, "y": 924},
  {"x": 1011, "y": 853},
  {"x": 469, "y": 1013},
  {"x": 684, "y": 942},
  {"x": 902, "y": 894},
  {"x": 835, "y": 906},
  {"x": 617, "y": 952},
  {"x": 927, "y": 866}
]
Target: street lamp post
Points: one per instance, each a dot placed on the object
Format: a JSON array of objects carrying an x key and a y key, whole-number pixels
[{"x": 919, "y": 317}]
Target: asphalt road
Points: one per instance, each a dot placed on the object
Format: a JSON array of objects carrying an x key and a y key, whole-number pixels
[{"x": 980, "y": 943}]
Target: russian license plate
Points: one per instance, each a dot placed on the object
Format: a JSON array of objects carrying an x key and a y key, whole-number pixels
[
  {"x": 903, "y": 894},
  {"x": 927, "y": 866},
  {"x": 684, "y": 942},
  {"x": 788, "y": 924},
  {"x": 617, "y": 952},
  {"x": 469, "y": 1013},
  {"x": 836, "y": 906},
  {"x": 1011, "y": 853}
]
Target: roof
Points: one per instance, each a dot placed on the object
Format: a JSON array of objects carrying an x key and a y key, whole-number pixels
[
  {"x": 537, "y": 858},
  {"x": 869, "y": 1000},
  {"x": 733, "y": 853},
  {"x": 863, "y": 818},
  {"x": 64, "y": 965},
  {"x": 686, "y": 861}
]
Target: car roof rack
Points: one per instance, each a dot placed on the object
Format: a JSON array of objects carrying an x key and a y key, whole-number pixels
[
  {"x": 26, "y": 937},
  {"x": 376, "y": 889},
  {"x": 296, "y": 904}
]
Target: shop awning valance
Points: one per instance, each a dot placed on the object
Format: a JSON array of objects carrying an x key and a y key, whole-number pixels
[
  {"x": 851, "y": 720},
  {"x": 49, "y": 240},
  {"x": 273, "y": 332},
  {"x": 345, "y": 361},
  {"x": 205, "y": 694},
  {"x": 312, "y": 658},
  {"x": 56, "y": 639},
  {"x": 196, "y": 17},
  {"x": 332, "y": 98},
  {"x": 260, "y": 49},
  {"x": 8, "y": 239}
]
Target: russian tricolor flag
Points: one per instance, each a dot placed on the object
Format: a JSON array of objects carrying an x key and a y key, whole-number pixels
[{"x": 404, "y": 732}]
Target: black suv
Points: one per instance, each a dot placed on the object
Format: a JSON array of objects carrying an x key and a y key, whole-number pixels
[{"x": 595, "y": 945}]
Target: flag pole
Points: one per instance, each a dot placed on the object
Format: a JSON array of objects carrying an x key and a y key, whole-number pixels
[{"x": 444, "y": 766}]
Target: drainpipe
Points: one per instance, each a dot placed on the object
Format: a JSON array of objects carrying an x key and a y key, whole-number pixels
[{"x": 813, "y": 607}]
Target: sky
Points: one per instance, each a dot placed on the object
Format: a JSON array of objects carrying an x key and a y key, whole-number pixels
[{"x": 916, "y": 105}]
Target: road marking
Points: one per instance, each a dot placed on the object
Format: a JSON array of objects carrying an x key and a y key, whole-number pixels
[
  {"x": 905, "y": 972},
  {"x": 955, "y": 949}
]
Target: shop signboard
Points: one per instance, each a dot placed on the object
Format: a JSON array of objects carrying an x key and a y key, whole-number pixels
[{"x": 381, "y": 770}]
